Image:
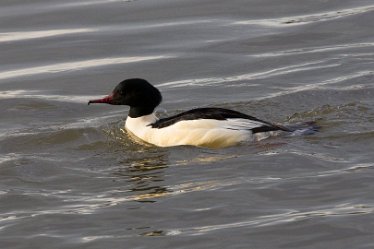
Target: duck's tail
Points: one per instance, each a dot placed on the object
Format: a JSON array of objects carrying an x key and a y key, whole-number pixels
[{"x": 304, "y": 128}]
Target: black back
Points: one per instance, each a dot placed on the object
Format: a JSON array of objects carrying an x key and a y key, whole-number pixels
[{"x": 215, "y": 113}]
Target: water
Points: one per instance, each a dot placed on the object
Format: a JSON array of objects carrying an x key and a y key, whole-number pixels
[{"x": 70, "y": 178}]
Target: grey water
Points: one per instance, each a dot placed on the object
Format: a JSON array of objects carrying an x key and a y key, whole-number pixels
[{"x": 70, "y": 176}]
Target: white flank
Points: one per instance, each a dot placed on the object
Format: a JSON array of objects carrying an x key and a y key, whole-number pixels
[{"x": 201, "y": 132}]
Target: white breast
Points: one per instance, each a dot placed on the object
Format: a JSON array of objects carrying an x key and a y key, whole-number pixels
[{"x": 201, "y": 132}]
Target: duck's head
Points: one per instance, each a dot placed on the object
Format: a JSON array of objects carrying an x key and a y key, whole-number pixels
[{"x": 139, "y": 94}]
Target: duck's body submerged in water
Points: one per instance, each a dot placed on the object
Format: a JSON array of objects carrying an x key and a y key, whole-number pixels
[{"x": 205, "y": 127}]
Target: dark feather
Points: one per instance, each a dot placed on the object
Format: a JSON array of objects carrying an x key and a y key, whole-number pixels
[{"x": 215, "y": 113}]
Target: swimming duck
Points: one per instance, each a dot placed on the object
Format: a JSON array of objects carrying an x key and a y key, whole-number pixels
[{"x": 204, "y": 127}]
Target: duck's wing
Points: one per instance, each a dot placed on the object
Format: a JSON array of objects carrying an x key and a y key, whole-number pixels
[{"x": 235, "y": 120}]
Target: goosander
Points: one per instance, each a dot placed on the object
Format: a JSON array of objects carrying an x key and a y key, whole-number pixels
[{"x": 203, "y": 127}]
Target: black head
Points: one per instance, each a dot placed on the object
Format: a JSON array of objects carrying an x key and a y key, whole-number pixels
[{"x": 139, "y": 94}]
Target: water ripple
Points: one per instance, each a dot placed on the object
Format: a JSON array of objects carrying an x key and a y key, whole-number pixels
[
  {"x": 8, "y": 157},
  {"x": 319, "y": 85},
  {"x": 88, "y": 3},
  {"x": 17, "y": 36},
  {"x": 35, "y": 94},
  {"x": 307, "y": 19},
  {"x": 276, "y": 219},
  {"x": 320, "y": 49},
  {"x": 307, "y": 66},
  {"x": 76, "y": 65},
  {"x": 83, "y": 123},
  {"x": 36, "y": 8}
]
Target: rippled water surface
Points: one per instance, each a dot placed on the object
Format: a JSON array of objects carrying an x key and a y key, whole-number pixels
[{"x": 70, "y": 177}]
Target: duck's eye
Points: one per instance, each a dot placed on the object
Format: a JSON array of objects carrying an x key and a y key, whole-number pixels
[{"x": 117, "y": 93}]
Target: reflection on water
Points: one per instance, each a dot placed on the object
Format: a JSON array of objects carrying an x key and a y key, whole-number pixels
[
  {"x": 145, "y": 175},
  {"x": 142, "y": 166}
]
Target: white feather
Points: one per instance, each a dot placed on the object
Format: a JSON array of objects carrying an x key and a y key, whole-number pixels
[
  {"x": 200, "y": 132},
  {"x": 241, "y": 124}
]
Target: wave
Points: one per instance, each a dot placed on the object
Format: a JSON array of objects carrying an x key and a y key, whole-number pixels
[
  {"x": 26, "y": 35},
  {"x": 76, "y": 65},
  {"x": 319, "y": 85},
  {"x": 307, "y": 19},
  {"x": 319, "y": 49},
  {"x": 37, "y": 8},
  {"x": 295, "y": 68},
  {"x": 276, "y": 219},
  {"x": 36, "y": 94}
]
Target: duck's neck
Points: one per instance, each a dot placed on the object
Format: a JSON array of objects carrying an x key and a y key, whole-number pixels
[
  {"x": 137, "y": 125},
  {"x": 139, "y": 111}
]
